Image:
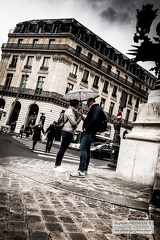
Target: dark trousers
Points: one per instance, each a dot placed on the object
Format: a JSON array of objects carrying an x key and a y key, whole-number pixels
[
  {"x": 66, "y": 140},
  {"x": 20, "y": 134},
  {"x": 49, "y": 144},
  {"x": 34, "y": 143}
]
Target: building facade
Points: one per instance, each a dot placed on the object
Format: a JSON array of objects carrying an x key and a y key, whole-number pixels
[{"x": 44, "y": 59}]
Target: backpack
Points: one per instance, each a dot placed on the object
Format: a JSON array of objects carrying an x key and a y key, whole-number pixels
[
  {"x": 61, "y": 121},
  {"x": 102, "y": 122}
]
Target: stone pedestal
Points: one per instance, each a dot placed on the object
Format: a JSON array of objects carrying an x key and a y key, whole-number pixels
[{"x": 139, "y": 155}]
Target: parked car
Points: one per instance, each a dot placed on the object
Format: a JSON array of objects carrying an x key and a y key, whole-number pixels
[{"x": 101, "y": 151}]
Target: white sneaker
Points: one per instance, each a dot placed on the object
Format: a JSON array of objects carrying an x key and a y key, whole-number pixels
[
  {"x": 60, "y": 169},
  {"x": 78, "y": 174}
]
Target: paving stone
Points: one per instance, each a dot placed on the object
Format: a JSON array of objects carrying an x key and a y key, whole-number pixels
[
  {"x": 50, "y": 219},
  {"x": 66, "y": 219},
  {"x": 112, "y": 237},
  {"x": 32, "y": 211},
  {"x": 103, "y": 228},
  {"x": 33, "y": 227},
  {"x": 32, "y": 218},
  {"x": 77, "y": 236},
  {"x": 59, "y": 236},
  {"x": 88, "y": 227},
  {"x": 95, "y": 236},
  {"x": 71, "y": 227},
  {"x": 47, "y": 212},
  {"x": 54, "y": 227},
  {"x": 77, "y": 214},
  {"x": 2, "y": 225},
  {"x": 37, "y": 235},
  {"x": 17, "y": 226},
  {"x": 96, "y": 221},
  {"x": 18, "y": 235},
  {"x": 1, "y": 234},
  {"x": 14, "y": 216}
]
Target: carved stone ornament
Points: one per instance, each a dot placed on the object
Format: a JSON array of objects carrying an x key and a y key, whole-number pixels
[
  {"x": 5, "y": 55},
  {"x": 38, "y": 57},
  {"x": 22, "y": 56}
]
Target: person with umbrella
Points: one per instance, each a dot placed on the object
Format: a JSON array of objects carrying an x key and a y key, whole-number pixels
[
  {"x": 71, "y": 118},
  {"x": 90, "y": 128},
  {"x": 80, "y": 94}
]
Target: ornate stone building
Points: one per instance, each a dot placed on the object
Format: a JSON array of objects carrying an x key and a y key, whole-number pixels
[{"x": 44, "y": 59}]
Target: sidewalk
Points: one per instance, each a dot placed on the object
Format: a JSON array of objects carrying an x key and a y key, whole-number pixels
[{"x": 37, "y": 203}]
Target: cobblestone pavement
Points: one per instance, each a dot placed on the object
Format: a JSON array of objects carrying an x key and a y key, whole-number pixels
[{"x": 37, "y": 203}]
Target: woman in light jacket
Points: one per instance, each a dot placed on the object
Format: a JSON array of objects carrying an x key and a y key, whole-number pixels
[{"x": 72, "y": 118}]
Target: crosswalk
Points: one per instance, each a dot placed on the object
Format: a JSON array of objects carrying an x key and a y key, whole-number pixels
[{"x": 40, "y": 151}]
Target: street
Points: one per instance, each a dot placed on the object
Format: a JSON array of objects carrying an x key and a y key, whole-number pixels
[
  {"x": 37, "y": 203},
  {"x": 24, "y": 150}
]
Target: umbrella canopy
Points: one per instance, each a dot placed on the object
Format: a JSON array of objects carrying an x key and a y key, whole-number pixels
[{"x": 80, "y": 95}]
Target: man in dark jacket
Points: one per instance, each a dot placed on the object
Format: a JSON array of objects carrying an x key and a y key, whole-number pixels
[
  {"x": 51, "y": 134},
  {"x": 38, "y": 129},
  {"x": 90, "y": 127}
]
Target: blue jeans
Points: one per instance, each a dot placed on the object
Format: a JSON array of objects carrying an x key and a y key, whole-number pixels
[
  {"x": 66, "y": 140},
  {"x": 86, "y": 140}
]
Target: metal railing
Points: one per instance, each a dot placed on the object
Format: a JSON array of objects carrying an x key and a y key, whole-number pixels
[
  {"x": 28, "y": 91},
  {"x": 53, "y": 95}
]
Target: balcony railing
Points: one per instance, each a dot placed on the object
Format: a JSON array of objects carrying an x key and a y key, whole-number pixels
[
  {"x": 48, "y": 94},
  {"x": 44, "y": 68},
  {"x": 64, "y": 47},
  {"x": 28, "y": 66},
  {"x": 72, "y": 75},
  {"x": 12, "y": 66},
  {"x": 32, "y": 92}
]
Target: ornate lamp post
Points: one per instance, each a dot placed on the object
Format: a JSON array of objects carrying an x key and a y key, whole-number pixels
[
  {"x": 117, "y": 128},
  {"x": 148, "y": 50},
  {"x": 136, "y": 162}
]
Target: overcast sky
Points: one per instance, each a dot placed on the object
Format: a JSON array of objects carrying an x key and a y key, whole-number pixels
[{"x": 112, "y": 20}]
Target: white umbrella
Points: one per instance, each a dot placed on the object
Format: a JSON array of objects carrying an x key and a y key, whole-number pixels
[{"x": 80, "y": 95}]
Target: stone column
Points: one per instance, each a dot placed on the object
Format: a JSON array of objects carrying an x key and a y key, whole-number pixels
[{"x": 139, "y": 156}]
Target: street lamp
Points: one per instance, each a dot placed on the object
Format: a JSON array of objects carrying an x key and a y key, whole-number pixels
[
  {"x": 148, "y": 50},
  {"x": 117, "y": 131}
]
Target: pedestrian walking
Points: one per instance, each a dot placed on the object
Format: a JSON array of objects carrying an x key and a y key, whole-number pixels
[
  {"x": 124, "y": 134},
  {"x": 21, "y": 131},
  {"x": 12, "y": 127},
  {"x": 51, "y": 134},
  {"x": 71, "y": 118},
  {"x": 90, "y": 128},
  {"x": 28, "y": 131},
  {"x": 37, "y": 131}
]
